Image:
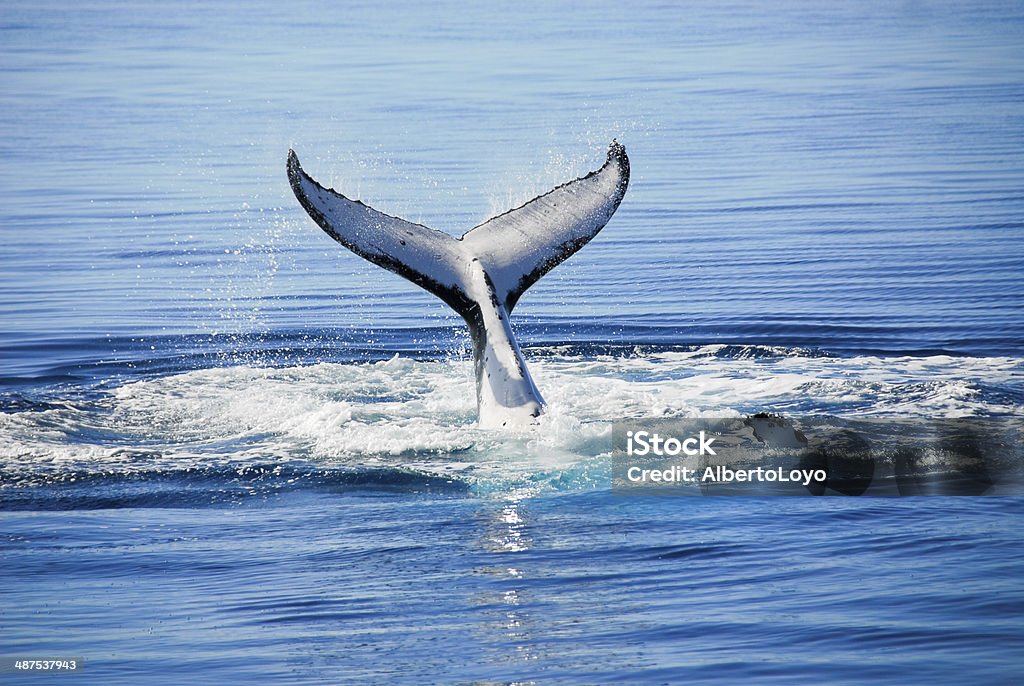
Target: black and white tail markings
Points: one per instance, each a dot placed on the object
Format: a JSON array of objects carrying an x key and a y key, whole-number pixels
[{"x": 483, "y": 274}]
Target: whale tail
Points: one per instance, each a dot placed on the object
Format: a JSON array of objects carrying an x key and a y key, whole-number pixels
[{"x": 482, "y": 274}]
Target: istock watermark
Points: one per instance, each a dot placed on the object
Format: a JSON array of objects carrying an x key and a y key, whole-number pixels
[
  {"x": 773, "y": 455},
  {"x": 647, "y": 443}
]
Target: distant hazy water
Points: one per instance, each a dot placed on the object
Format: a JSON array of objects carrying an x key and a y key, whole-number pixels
[{"x": 213, "y": 466}]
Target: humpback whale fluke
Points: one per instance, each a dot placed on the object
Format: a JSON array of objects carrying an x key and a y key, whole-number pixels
[{"x": 483, "y": 274}]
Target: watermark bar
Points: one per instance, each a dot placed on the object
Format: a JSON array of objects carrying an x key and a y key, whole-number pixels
[
  {"x": 766, "y": 455},
  {"x": 28, "y": 664}
]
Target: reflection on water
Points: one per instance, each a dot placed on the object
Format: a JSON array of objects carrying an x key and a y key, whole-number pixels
[{"x": 505, "y": 535}]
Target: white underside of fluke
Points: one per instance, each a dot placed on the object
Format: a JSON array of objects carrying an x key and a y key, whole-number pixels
[{"x": 482, "y": 274}]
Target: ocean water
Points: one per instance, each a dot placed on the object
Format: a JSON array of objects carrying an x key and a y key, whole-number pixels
[{"x": 232, "y": 451}]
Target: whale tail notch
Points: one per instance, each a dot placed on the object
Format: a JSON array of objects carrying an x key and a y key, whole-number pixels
[{"x": 482, "y": 274}]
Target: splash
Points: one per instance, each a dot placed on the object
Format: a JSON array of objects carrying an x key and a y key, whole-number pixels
[{"x": 418, "y": 416}]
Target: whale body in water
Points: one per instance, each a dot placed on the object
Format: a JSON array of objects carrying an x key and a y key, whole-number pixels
[{"x": 483, "y": 274}]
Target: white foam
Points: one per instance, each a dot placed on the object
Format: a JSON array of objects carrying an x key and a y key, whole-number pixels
[{"x": 406, "y": 412}]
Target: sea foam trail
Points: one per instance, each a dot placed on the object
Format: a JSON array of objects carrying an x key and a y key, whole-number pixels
[{"x": 420, "y": 414}]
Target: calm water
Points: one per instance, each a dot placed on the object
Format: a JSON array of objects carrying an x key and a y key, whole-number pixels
[{"x": 232, "y": 451}]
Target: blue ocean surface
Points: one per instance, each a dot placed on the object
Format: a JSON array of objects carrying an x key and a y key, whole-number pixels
[{"x": 233, "y": 452}]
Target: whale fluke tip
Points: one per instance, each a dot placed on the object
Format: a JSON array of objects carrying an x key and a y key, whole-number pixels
[
  {"x": 617, "y": 156},
  {"x": 293, "y": 165}
]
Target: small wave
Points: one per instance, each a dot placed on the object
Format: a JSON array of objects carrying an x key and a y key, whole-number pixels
[
  {"x": 191, "y": 487},
  {"x": 11, "y": 403},
  {"x": 720, "y": 350}
]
